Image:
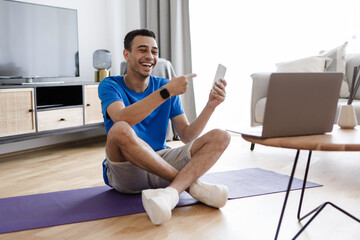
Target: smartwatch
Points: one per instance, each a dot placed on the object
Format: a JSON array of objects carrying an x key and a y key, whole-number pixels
[{"x": 164, "y": 93}]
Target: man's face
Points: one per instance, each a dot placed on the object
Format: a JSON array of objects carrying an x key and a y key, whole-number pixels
[{"x": 143, "y": 55}]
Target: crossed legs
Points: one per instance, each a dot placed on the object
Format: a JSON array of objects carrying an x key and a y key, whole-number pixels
[{"x": 124, "y": 145}]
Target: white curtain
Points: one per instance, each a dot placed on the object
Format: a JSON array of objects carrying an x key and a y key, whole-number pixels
[{"x": 169, "y": 20}]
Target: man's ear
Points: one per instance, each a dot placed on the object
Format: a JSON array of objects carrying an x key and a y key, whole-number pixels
[{"x": 126, "y": 54}]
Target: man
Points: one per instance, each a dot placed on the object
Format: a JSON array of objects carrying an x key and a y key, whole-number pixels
[{"x": 136, "y": 109}]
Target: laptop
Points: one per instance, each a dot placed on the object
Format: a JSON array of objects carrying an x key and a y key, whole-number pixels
[{"x": 299, "y": 104}]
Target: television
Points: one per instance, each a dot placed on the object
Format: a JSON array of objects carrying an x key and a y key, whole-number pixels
[{"x": 37, "y": 41}]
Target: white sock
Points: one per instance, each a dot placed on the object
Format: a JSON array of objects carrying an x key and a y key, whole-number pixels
[
  {"x": 158, "y": 203},
  {"x": 214, "y": 195}
]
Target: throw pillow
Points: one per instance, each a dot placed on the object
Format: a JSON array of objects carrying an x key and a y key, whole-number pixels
[
  {"x": 309, "y": 64},
  {"x": 338, "y": 65}
]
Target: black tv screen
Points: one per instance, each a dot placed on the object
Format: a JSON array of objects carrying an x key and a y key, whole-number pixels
[{"x": 38, "y": 41}]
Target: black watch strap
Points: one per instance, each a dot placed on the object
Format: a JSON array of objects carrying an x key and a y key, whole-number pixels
[{"x": 164, "y": 93}]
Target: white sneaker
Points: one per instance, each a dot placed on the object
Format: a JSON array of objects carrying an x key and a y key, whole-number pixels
[
  {"x": 158, "y": 203},
  {"x": 214, "y": 195}
]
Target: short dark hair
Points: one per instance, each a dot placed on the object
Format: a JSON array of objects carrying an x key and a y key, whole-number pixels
[{"x": 131, "y": 35}]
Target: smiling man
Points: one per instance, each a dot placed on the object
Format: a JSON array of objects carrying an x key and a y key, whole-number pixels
[{"x": 136, "y": 108}]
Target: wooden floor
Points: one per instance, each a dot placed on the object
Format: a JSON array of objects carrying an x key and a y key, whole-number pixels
[{"x": 79, "y": 166}]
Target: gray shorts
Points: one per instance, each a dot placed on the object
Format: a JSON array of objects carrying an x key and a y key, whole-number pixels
[{"x": 127, "y": 178}]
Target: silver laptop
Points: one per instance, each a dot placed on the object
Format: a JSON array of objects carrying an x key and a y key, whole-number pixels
[{"x": 299, "y": 104}]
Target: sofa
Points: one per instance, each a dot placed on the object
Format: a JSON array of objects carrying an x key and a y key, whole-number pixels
[{"x": 260, "y": 81}]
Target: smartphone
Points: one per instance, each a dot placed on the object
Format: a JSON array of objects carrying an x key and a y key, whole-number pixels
[{"x": 220, "y": 73}]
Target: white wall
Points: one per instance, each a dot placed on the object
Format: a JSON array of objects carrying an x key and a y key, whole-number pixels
[
  {"x": 251, "y": 36},
  {"x": 102, "y": 24}
]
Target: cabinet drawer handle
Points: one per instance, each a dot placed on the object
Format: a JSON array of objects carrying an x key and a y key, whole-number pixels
[
  {"x": 88, "y": 105},
  {"x": 62, "y": 119},
  {"x": 32, "y": 110}
]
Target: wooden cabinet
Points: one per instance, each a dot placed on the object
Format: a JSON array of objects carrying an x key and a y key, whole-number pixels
[
  {"x": 92, "y": 105},
  {"x": 17, "y": 111},
  {"x": 39, "y": 110},
  {"x": 62, "y": 118}
]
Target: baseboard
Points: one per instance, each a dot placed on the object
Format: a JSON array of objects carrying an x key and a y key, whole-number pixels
[{"x": 51, "y": 141}]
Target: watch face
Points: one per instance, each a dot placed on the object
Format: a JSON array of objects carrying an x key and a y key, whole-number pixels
[{"x": 164, "y": 93}]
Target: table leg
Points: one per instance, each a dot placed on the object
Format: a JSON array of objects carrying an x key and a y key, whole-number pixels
[
  {"x": 252, "y": 146},
  {"x": 287, "y": 193},
  {"x": 304, "y": 185},
  {"x": 317, "y": 210}
]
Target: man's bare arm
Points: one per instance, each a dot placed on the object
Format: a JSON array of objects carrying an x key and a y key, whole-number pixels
[
  {"x": 188, "y": 132},
  {"x": 138, "y": 111}
]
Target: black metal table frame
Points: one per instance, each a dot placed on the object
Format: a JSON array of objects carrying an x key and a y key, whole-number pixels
[{"x": 315, "y": 211}]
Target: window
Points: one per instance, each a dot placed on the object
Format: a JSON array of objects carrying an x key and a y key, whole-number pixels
[{"x": 251, "y": 36}]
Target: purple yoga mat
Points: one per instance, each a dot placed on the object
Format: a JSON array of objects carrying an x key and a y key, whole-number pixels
[{"x": 56, "y": 208}]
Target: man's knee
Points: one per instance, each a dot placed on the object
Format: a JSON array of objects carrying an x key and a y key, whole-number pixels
[
  {"x": 121, "y": 133},
  {"x": 220, "y": 138}
]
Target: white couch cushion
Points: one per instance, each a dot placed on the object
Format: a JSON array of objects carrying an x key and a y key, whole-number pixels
[
  {"x": 260, "y": 110},
  {"x": 352, "y": 60},
  {"x": 309, "y": 64},
  {"x": 338, "y": 65},
  {"x": 317, "y": 64},
  {"x": 329, "y": 61}
]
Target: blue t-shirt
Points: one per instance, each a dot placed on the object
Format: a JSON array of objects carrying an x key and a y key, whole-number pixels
[{"x": 154, "y": 127}]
